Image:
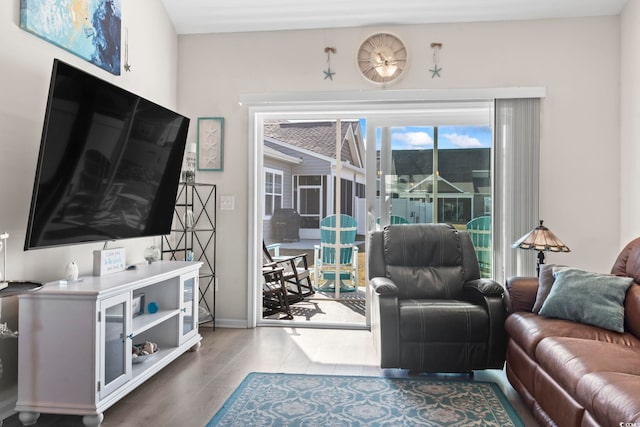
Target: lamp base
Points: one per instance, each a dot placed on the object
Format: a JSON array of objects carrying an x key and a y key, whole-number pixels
[{"x": 540, "y": 262}]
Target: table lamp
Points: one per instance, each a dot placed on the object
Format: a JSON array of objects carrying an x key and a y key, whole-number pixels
[{"x": 542, "y": 240}]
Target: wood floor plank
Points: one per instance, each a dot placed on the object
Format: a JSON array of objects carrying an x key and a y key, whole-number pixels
[{"x": 190, "y": 390}]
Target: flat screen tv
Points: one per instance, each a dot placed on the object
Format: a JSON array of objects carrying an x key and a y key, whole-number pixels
[{"x": 109, "y": 164}]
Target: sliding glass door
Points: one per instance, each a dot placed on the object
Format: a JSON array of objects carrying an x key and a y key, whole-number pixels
[
  {"x": 425, "y": 162},
  {"x": 436, "y": 168},
  {"x": 438, "y": 174}
]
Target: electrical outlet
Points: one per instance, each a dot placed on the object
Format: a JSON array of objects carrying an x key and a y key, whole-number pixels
[{"x": 227, "y": 203}]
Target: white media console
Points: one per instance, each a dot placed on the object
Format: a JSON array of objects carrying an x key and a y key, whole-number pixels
[{"x": 75, "y": 344}]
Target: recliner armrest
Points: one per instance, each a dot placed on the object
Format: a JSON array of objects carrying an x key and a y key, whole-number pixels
[
  {"x": 384, "y": 286},
  {"x": 492, "y": 296},
  {"x": 385, "y": 321},
  {"x": 486, "y": 287}
]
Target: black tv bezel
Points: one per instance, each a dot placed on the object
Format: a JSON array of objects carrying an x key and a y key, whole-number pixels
[{"x": 28, "y": 244}]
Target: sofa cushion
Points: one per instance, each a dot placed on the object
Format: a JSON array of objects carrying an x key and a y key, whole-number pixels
[
  {"x": 567, "y": 360},
  {"x": 610, "y": 397},
  {"x": 545, "y": 282},
  {"x": 528, "y": 329},
  {"x": 585, "y": 297}
]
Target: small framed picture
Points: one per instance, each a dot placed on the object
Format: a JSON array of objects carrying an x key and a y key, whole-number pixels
[
  {"x": 137, "y": 305},
  {"x": 210, "y": 140}
]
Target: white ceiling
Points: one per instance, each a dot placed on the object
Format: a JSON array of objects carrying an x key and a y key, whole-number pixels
[{"x": 222, "y": 16}]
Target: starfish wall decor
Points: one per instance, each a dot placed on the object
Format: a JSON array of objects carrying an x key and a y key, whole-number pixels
[
  {"x": 210, "y": 131},
  {"x": 127, "y": 66},
  {"x": 435, "y": 71},
  {"x": 328, "y": 74}
]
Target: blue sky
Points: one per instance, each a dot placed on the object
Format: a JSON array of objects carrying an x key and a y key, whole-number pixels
[{"x": 449, "y": 137}]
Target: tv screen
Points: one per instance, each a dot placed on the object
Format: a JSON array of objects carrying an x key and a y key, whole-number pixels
[{"x": 109, "y": 163}]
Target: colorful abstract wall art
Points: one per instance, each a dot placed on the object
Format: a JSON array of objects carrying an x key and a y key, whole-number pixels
[{"x": 87, "y": 28}]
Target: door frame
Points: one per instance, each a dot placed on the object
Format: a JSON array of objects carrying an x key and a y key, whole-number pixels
[{"x": 374, "y": 105}]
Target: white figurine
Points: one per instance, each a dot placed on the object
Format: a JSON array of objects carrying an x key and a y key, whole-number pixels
[{"x": 71, "y": 271}]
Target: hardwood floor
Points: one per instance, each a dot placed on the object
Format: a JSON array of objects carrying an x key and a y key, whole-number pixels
[{"x": 190, "y": 390}]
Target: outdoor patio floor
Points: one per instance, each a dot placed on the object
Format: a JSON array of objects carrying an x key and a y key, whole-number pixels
[{"x": 322, "y": 307}]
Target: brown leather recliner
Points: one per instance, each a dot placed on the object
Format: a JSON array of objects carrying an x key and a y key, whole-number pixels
[{"x": 431, "y": 311}]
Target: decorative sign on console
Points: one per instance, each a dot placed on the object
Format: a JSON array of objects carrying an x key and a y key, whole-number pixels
[{"x": 108, "y": 261}]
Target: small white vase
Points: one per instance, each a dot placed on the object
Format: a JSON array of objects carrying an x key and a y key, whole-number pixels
[
  {"x": 152, "y": 254},
  {"x": 71, "y": 271}
]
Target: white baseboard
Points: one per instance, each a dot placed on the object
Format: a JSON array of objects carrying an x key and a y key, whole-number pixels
[{"x": 231, "y": 323}]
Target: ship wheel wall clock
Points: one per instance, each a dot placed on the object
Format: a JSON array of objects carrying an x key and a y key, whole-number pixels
[{"x": 382, "y": 59}]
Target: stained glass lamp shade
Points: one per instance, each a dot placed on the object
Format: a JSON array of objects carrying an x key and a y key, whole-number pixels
[{"x": 542, "y": 240}]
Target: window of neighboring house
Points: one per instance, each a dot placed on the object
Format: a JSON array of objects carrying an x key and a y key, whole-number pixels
[
  {"x": 307, "y": 197},
  {"x": 272, "y": 191},
  {"x": 487, "y": 205},
  {"x": 346, "y": 197},
  {"x": 454, "y": 210}
]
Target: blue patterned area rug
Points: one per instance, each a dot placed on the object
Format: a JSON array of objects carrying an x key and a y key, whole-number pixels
[{"x": 275, "y": 400}]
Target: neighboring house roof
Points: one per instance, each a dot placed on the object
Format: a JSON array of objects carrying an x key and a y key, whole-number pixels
[
  {"x": 426, "y": 186},
  {"x": 318, "y": 137},
  {"x": 455, "y": 165},
  {"x": 275, "y": 154},
  {"x": 467, "y": 169}
]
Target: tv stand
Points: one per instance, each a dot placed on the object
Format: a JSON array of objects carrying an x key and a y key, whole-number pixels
[{"x": 75, "y": 345}]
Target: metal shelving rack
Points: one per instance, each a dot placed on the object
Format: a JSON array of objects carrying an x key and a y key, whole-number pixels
[{"x": 194, "y": 236}]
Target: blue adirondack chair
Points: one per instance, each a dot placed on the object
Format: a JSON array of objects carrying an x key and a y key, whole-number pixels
[
  {"x": 479, "y": 230},
  {"x": 327, "y": 257}
]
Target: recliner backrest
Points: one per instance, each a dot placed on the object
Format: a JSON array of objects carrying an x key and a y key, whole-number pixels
[{"x": 428, "y": 261}]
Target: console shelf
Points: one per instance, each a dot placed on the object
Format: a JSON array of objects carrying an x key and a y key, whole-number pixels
[
  {"x": 75, "y": 346},
  {"x": 147, "y": 321}
]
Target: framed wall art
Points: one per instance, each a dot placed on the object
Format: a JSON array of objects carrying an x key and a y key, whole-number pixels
[
  {"x": 210, "y": 140},
  {"x": 87, "y": 28}
]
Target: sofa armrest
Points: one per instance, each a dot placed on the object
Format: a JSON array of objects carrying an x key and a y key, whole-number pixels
[{"x": 522, "y": 293}]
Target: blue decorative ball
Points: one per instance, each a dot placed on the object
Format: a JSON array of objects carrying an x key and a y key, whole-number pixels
[{"x": 152, "y": 307}]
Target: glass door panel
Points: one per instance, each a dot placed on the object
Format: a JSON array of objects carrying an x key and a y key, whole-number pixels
[
  {"x": 115, "y": 367},
  {"x": 188, "y": 313},
  {"x": 323, "y": 168},
  {"x": 436, "y": 174}
]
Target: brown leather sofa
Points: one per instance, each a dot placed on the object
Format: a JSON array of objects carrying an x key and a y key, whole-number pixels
[{"x": 574, "y": 374}]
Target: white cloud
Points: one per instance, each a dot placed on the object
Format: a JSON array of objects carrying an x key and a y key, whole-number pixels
[
  {"x": 414, "y": 139},
  {"x": 464, "y": 141}
]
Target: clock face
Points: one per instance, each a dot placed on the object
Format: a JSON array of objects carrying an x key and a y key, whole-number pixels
[{"x": 382, "y": 58}]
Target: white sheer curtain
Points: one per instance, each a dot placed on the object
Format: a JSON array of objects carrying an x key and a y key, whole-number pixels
[{"x": 516, "y": 201}]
